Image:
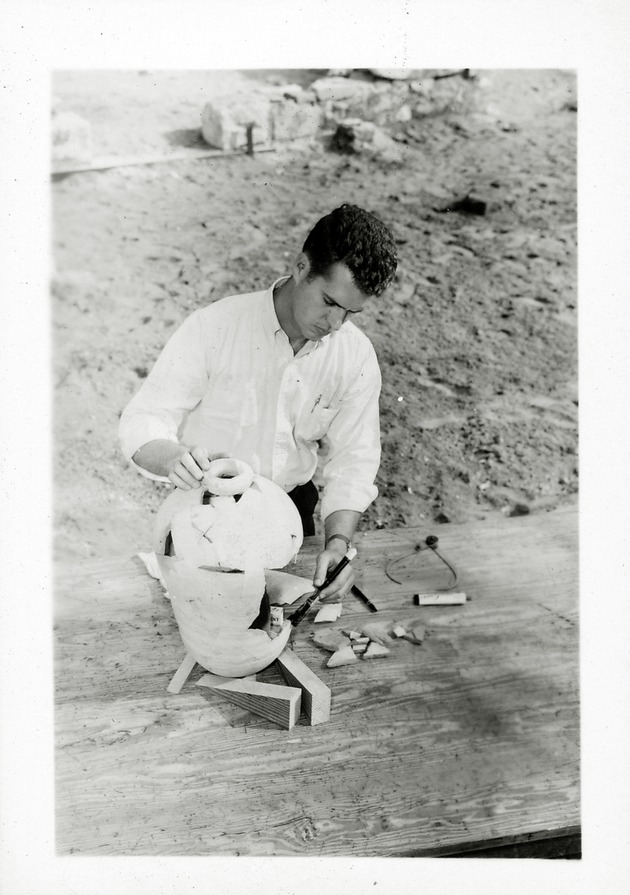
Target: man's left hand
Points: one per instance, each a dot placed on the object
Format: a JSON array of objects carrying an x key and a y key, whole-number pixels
[{"x": 326, "y": 561}]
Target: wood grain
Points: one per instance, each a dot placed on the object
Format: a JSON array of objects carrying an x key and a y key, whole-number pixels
[
  {"x": 279, "y": 704},
  {"x": 316, "y": 696},
  {"x": 470, "y": 738}
]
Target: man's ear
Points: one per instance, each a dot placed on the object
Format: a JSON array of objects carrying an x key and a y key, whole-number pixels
[{"x": 301, "y": 267}]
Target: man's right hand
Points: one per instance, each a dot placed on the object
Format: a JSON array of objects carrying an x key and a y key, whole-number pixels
[
  {"x": 183, "y": 466},
  {"x": 187, "y": 468}
]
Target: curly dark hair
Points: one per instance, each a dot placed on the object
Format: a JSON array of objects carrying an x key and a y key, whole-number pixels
[{"x": 356, "y": 238}]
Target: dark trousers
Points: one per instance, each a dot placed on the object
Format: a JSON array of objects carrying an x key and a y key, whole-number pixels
[{"x": 305, "y": 498}]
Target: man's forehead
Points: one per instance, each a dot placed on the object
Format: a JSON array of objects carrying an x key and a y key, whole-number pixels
[{"x": 341, "y": 287}]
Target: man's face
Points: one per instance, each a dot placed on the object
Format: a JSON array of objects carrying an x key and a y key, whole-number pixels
[{"x": 322, "y": 304}]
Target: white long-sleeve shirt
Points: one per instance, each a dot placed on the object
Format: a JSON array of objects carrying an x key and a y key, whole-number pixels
[{"x": 228, "y": 380}]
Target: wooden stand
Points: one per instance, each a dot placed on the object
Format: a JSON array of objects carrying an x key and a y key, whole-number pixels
[
  {"x": 272, "y": 701},
  {"x": 182, "y": 674}
]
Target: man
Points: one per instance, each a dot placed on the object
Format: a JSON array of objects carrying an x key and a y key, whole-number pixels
[{"x": 271, "y": 377}]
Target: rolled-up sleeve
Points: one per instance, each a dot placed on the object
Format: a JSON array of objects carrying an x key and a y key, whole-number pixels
[
  {"x": 353, "y": 445},
  {"x": 175, "y": 385}
]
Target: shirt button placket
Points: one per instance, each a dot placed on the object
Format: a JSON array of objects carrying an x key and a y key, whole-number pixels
[{"x": 284, "y": 428}]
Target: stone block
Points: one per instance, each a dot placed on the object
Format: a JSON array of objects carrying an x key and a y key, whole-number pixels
[
  {"x": 394, "y": 74},
  {"x": 224, "y": 122},
  {"x": 385, "y": 101},
  {"x": 456, "y": 95},
  {"x": 340, "y": 89},
  {"x": 71, "y": 137},
  {"x": 292, "y": 120},
  {"x": 381, "y": 103},
  {"x": 294, "y": 92}
]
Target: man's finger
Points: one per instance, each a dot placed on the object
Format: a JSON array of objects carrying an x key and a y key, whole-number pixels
[
  {"x": 183, "y": 479},
  {"x": 200, "y": 456},
  {"x": 179, "y": 482},
  {"x": 190, "y": 465},
  {"x": 338, "y": 587},
  {"x": 321, "y": 567}
]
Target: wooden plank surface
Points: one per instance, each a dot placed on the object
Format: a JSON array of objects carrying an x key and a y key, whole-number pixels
[{"x": 470, "y": 739}]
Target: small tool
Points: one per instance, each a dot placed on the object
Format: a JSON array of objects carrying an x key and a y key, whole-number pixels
[
  {"x": 297, "y": 616},
  {"x": 359, "y": 593}
]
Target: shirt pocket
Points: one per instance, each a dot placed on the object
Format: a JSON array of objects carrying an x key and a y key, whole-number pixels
[{"x": 314, "y": 425}]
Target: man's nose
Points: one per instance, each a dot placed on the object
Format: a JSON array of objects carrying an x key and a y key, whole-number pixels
[{"x": 336, "y": 317}]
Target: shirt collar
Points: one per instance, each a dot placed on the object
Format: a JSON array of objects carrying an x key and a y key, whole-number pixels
[{"x": 272, "y": 317}]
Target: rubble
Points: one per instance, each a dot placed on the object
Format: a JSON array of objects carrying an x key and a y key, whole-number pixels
[{"x": 342, "y": 99}]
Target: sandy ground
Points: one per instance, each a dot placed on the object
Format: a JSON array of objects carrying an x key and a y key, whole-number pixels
[{"x": 476, "y": 339}]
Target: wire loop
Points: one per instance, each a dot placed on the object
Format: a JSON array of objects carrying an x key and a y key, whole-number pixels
[{"x": 430, "y": 543}]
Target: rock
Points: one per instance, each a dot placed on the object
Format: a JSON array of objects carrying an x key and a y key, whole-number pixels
[
  {"x": 308, "y": 96},
  {"x": 467, "y": 205},
  {"x": 383, "y": 103},
  {"x": 418, "y": 633},
  {"x": 338, "y": 89},
  {"x": 293, "y": 91},
  {"x": 71, "y": 137},
  {"x": 376, "y": 651},
  {"x": 330, "y": 640},
  {"x": 291, "y": 120},
  {"x": 343, "y": 656},
  {"x": 422, "y": 109},
  {"x": 403, "y": 114},
  {"x": 224, "y": 122},
  {"x": 393, "y": 74},
  {"x": 356, "y": 136},
  {"x": 377, "y": 632},
  {"x": 363, "y": 131},
  {"x": 404, "y": 293},
  {"x": 519, "y": 509}
]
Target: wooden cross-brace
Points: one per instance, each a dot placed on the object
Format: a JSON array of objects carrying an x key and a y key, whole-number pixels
[{"x": 316, "y": 695}]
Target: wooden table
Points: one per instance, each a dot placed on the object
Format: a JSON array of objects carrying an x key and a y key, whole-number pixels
[{"x": 467, "y": 744}]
